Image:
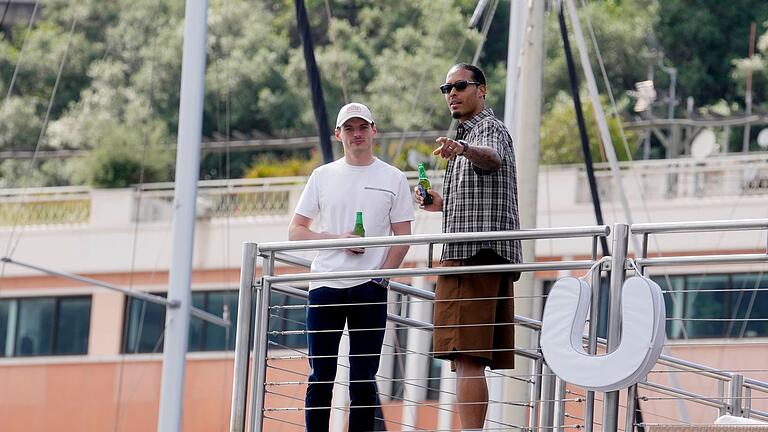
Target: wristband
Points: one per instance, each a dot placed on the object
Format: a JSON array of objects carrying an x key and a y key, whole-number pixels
[
  {"x": 465, "y": 145},
  {"x": 384, "y": 282}
]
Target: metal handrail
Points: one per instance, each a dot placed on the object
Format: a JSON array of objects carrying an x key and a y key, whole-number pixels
[
  {"x": 702, "y": 259},
  {"x": 716, "y": 225},
  {"x": 685, "y": 365},
  {"x": 532, "y": 234}
]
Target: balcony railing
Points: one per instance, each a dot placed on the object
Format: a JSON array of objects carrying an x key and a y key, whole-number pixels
[
  {"x": 682, "y": 178},
  {"x": 44, "y": 206},
  {"x": 661, "y": 180}
]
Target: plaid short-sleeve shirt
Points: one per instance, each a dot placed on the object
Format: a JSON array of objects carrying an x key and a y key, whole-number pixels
[{"x": 478, "y": 200}]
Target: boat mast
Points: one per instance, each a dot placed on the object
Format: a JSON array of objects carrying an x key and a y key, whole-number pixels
[
  {"x": 185, "y": 198},
  {"x": 522, "y": 116}
]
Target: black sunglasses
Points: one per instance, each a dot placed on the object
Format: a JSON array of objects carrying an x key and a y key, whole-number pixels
[{"x": 459, "y": 85}]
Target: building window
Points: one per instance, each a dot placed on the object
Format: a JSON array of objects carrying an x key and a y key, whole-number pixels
[
  {"x": 44, "y": 326},
  {"x": 716, "y": 305},
  {"x": 145, "y": 324},
  {"x": 206, "y": 336}
]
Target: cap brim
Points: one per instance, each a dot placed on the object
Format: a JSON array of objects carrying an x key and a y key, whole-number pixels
[{"x": 344, "y": 120}]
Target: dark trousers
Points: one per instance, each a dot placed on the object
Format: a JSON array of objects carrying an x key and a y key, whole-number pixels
[{"x": 363, "y": 308}]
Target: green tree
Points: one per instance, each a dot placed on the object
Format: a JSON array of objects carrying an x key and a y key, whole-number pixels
[
  {"x": 16, "y": 173},
  {"x": 701, "y": 38},
  {"x": 20, "y": 123},
  {"x": 620, "y": 28},
  {"x": 758, "y": 67},
  {"x": 124, "y": 161},
  {"x": 127, "y": 143},
  {"x": 49, "y": 46},
  {"x": 118, "y": 94},
  {"x": 560, "y": 142}
]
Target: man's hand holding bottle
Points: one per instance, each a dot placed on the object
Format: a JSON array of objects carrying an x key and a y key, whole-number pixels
[{"x": 437, "y": 200}]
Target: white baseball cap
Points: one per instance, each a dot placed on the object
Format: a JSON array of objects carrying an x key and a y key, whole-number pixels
[{"x": 352, "y": 110}]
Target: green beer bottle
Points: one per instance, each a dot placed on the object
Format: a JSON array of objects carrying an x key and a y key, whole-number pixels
[
  {"x": 359, "y": 229},
  {"x": 424, "y": 185}
]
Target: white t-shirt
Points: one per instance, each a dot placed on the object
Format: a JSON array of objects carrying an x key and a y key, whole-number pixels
[{"x": 334, "y": 194}]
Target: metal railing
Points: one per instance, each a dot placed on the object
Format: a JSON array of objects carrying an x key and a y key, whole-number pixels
[
  {"x": 45, "y": 206},
  {"x": 684, "y": 178},
  {"x": 274, "y": 252},
  {"x": 549, "y": 395},
  {"x": 737, "y": 400}
]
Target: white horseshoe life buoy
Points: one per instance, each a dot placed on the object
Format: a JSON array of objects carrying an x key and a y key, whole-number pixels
[{"x": 642, "y": 335}]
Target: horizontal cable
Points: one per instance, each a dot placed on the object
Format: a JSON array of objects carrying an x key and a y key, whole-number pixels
[
  {"x": 728, "y": 290},
  {"x": 434, "y": 271},
  {"x": 702, "y": 259},
  {"x": 719, "y": 319}
]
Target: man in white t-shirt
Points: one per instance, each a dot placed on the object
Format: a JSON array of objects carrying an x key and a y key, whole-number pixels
[{"x": 334, "y": 194}]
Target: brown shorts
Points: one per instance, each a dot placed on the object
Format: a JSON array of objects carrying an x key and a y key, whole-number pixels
[{"x": 474, "y": 313}]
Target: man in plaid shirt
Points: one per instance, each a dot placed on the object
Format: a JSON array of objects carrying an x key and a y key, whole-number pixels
[{"x": 474, "y": 313}]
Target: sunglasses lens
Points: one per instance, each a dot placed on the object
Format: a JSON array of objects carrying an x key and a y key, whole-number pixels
[{"x": 458, "y": 85}]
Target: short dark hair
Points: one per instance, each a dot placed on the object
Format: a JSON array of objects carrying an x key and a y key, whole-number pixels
[{"x": 477, "y": 73}]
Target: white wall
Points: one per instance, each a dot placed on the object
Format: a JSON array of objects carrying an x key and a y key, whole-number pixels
[{"x": 111, "y": 242}]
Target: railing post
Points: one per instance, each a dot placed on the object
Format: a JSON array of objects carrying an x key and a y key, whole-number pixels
[
  {"x": 589, "y": 403},
  {"x": 620, "y": 238},
  {"x": 631, "y": 407},
  {"x": 746, "y": 408},
  {"x": 559, "y": 413},
  {"x": 547, "y": 415},
  {"x": 721, "y": 395},
  {"x": 244, "y": 311},
  {"x": 735, "y": 394},
  {"x": 259, "y": 365},
  {"x": 416, "y": 364},
  {"x": 535, "y": 395}
]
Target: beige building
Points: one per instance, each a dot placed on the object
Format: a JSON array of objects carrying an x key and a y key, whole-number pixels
[{"x": 77, "y": 357}]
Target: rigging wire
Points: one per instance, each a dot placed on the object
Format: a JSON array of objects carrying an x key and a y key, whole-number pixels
[
  {"x": 5, "y": 103},
  {"x": 13, "y": 241},
  {"x": 228, "y": 200},
  {"x": 341, "y": 66},
  {"x": 139, "y": 194},
  {"x": 21, "y": 51},
  {"x": 420, "y": 84},
  {"x": 142, "y": 178},
  {"x": 683, "y": 413},
  {"x": 137, "y": 222},
  {"x": 435, "y": 161},
  {"x": 143, "y": 373},
  {"x": 635, "y": 176},
  {"x": 5, "y": 11}
]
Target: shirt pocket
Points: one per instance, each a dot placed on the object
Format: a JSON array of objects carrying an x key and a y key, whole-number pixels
[{"x": 379, "y": 202}]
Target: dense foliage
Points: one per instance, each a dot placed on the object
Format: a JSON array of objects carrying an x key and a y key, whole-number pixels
[{"x": 103, "y": 77}]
